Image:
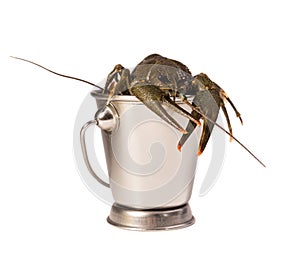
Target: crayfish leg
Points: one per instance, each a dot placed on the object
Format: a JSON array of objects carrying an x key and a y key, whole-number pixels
[
  {"x": 184, "y": 99},
  {"x": 157, "y": 108},
  {"x": 235, "y": 110},
  {"x": 117, "y": 82},
  {"x": 225, "y": 97},
  {"x": 190, "y": 128},
  {"x": 173, "y": 106},
  {"x": 123, "y": 84},
  {"x": 227, "y": 120}
]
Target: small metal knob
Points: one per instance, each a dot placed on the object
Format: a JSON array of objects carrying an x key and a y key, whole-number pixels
[{"x": 107, "y": 118}]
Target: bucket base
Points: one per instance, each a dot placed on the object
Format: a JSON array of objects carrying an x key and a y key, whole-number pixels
[{"x": 151, "y": 219}]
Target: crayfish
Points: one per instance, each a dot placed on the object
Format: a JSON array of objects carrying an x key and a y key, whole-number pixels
[{"x": 157, "y": 82}]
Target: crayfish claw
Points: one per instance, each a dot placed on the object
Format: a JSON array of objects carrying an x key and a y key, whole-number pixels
[
  {"x": 199, "y": 152},
  {"x": 179, "y": 147}
]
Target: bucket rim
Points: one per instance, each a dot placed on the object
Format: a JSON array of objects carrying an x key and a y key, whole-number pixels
[{"x": 124, "y": 98}]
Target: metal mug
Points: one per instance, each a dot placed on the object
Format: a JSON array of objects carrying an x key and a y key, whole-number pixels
[{"x": 146, "y": 171}]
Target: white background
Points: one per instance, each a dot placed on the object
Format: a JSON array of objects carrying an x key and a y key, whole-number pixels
[{"x": 50, "y": 222}]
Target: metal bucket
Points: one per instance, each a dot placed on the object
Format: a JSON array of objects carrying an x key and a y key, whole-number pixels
[{"x": 151, "y": 181}]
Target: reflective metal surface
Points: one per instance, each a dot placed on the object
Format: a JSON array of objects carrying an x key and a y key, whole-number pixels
[
  {"x": 152, "y": 219},
  {"x": 107, "y": 118},
  {"x": 151, "y": 181},
  {"x": 145, "y": 168}
]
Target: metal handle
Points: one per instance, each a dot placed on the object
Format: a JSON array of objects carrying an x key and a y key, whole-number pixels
[{"x": 84, "y": 152}]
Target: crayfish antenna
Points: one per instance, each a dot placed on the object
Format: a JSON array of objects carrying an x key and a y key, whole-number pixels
[
  {"x": 233, "y": 137},
  {"x": 59, "y": 74}
]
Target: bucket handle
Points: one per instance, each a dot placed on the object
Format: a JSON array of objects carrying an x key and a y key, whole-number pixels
[
  {"x": 107, "y": 119},
  {"x": 84, "y": 151}
]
